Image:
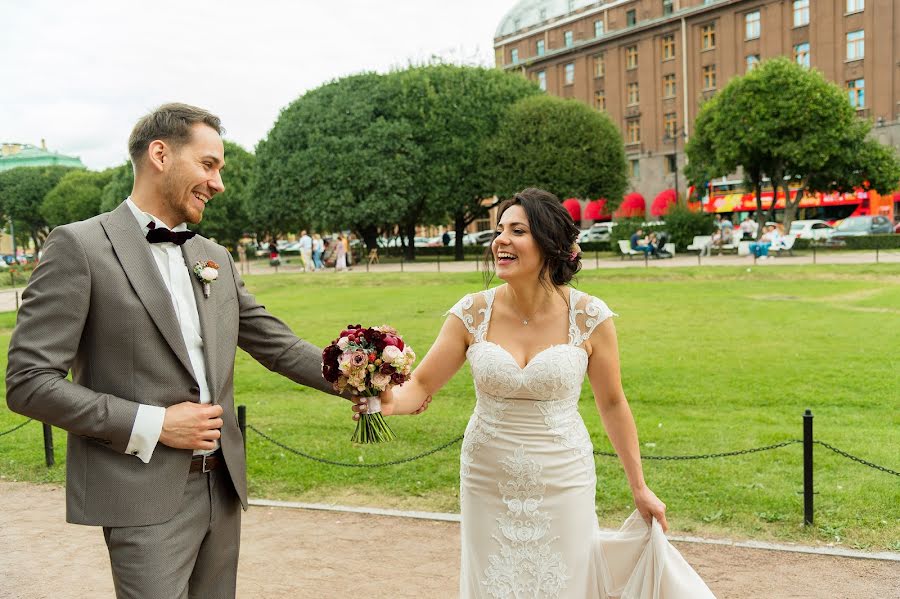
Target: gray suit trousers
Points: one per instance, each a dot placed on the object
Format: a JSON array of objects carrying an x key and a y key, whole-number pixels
[{"x": 193, "y": 555}]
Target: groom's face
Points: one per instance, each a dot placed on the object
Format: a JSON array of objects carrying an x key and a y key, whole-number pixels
[{"x": 194, "y": 175}]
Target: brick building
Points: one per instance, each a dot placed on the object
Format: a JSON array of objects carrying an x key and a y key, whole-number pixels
[{"x": 650, "y": 64}]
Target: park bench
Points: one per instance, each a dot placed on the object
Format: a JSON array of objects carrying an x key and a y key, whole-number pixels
[
  {"x": 625, "y": 248},
  {"x": 699, "y": 243}
]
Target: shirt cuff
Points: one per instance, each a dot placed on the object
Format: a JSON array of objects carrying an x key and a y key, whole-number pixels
[{"x": 145, "y": 434}]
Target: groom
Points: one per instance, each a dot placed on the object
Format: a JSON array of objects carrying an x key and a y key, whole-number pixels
[{"x": 155, "y": 455}]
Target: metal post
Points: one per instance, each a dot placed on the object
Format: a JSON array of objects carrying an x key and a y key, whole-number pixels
[
  {"x": 17, "y": 300},
  {"x": 242, "y": 424},
  {"x": 876, "y": 253},
  {"x": 814, "y": 252},
  {"x": 401, "y": 263},
  {"x": 48, "y": 445},
  {"x": 698, "y": 257},
  {"x": 646, "y": 259},
  {"x": 808, "y": 468},
  {"x": 596, "y": 258},
  {"x": 439, "y": 262}
]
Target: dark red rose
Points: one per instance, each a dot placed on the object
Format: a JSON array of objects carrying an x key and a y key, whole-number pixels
[{"x": 387, "y": 368}]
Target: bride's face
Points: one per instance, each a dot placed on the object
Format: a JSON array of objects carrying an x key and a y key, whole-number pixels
[{"x": 516, "y": 254}]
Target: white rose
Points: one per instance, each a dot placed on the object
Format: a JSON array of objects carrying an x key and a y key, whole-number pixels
[
  {"x": 343, "y": 342},
  {"x": 391, "y": 353},
  {"x": 209, "y": 274}
]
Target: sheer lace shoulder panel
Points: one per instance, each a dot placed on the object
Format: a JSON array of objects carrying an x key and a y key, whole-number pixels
[
  {"x": 585, "y": 314},
  {"x": 474, "y": 311}
]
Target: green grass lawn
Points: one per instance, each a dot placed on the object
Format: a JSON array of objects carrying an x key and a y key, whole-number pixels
[{"x": 714, "y": 359}]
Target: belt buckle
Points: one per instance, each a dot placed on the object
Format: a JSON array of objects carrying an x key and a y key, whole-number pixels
[{"x": 203, "y": 467}]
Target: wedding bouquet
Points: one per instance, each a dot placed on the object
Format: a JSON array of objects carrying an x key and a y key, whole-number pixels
[{"x": 368, "y": 361}]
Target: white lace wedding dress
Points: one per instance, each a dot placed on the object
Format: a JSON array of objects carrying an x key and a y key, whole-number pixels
[{"x": 527, "y": 481}]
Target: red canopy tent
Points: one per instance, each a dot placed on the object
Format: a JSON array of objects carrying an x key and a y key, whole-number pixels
[
  {"x": 663, "y": 201},
  {"x": 632, "y": 206},
  {"x": 596, "y": 211},
  {"x": 574, "y": 208}
]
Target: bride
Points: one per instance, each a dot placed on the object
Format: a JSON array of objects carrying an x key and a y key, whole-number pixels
[{"x": 527, "y": 474}]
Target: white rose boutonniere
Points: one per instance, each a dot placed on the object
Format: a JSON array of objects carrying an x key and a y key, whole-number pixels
[{"x": 206, "y": 271}]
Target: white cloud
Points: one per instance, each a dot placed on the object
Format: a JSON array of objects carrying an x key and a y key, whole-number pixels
[{"x": 79, "y": 74}]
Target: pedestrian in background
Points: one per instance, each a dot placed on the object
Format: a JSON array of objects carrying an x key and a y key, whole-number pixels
[
  {"x": 318, "y": 248},
  {"x": 306, "y": 249}
]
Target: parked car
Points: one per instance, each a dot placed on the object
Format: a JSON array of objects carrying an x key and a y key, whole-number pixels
[
  {"x": 857, "y": 226},
  {"x": 479, "y": 238},
  {"x": 810, "y": 229},
  {"x": 897, "y": 227}
]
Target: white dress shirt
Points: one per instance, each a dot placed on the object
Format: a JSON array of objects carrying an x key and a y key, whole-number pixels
[{"x": 170, "y": 261}]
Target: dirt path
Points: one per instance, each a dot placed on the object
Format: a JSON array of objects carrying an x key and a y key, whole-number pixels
[{"x": 289, "y": 553}]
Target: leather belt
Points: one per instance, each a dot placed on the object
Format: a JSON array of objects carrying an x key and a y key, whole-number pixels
[{"x": 207, "y": 463}]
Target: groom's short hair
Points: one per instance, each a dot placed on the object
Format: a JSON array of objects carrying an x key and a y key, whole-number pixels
[{"x": 171, "y": 123}]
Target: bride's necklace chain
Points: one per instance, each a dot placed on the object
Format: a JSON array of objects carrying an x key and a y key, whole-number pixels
[{"x": 518, "y": 314}]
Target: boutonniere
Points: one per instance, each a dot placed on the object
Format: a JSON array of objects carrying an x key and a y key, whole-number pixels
[{"x": 207, "y": 271}]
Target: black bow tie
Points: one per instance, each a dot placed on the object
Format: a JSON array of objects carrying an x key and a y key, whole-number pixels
[{"x": 161, "y": 234}]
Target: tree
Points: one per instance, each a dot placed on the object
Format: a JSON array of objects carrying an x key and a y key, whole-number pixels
[
  {"x": 560, "y": 145},
  {"x": 338, "y": 158},
  {"x": 454, "y": 112},
  {"x": 226, "y": 218},
  {"x": 22, "y": 191},
  {"x": 789, "y": 123},
  {"x": 76, "y": 197},
  {"x": 118, "y": 188}
]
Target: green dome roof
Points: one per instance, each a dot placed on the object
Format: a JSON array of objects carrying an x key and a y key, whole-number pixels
[{"x": 15, "y": 155}]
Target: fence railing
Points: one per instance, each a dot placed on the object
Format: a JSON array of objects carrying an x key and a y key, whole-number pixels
[{"x": 808, "y": 442}]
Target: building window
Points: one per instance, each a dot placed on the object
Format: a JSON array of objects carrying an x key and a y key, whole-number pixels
[
  {"x": 801, "y": 13},
  {"x": 635, "y": 167},
  {"x": 856, "y": 5},
  {"x": 668, "y": 47},
  {"x": 634, "y": 94},
  {"x": 856, "y": 91},
  {"x": 542, "y": 80},
  {"x": 600, "y": 99},
  {"x": 570, "y": 73},
  {"x": 752, "y": 61},
  {"x": 667, "y": 7},
  {"x": 708, "y": 37},
  {"x": 631, "y": 18},
  {"x": 633, "y": 132},
  {"x": 631, "y": 57},
  {"x": 669, "y": 86},
  {"x": 669, "y": 125},
  {"x": 514, "y": 55},
  {"x": 801, "y": 54},
  {"x": 568, "y": 39},
  {"x": 540, "y": 47},
  {"x": 709, "y": 77},
  {"x": 600, "y": 64},
  {"x": 599, "y": 28},
  {"x": 671, "y": 163},
  {"x": 751, "y": 25},
  {"x": 856, "y": 45}
]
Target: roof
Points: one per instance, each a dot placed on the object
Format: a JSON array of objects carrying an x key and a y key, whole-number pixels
[
  {"x": 15, "y": 155},
  {"x": 528, "y": 13}
]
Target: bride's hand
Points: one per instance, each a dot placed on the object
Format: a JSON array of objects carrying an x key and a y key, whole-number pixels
[{"x": 649, "y": 505}]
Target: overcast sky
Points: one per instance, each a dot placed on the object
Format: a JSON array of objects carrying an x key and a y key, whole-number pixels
[{"x": 80, "y": 73}]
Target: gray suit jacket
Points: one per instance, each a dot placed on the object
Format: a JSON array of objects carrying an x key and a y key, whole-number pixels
[{"x": 97, "y": 305}]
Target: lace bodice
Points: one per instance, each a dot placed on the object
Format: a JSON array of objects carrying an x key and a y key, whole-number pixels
[{"x": 555, "y": 373}]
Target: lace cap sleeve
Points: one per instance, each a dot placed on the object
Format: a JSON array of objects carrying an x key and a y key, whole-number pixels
[
  {"x": 471, "y": 311},
  {"x": 587, "y": 312}
]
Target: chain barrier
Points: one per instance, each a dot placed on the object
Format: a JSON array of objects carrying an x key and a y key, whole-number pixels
[
  {"x": 706, "y": 455},
  {"x": 352, "y": 464},
  {"x": 15, "y": 428},
  {"x": 856, "y": 459},
  {"x": 609, "y": 454}
]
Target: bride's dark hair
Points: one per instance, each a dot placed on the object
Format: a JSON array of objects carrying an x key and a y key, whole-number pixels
[{"x": 553, "y": 231}]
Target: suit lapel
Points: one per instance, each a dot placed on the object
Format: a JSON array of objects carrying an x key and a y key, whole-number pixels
[
  {"x": 134, "y": 255},
  {"x": 193, "y": 252}
]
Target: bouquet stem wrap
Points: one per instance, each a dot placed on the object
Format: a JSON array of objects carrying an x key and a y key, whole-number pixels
[{"x": 371, "y": 426}]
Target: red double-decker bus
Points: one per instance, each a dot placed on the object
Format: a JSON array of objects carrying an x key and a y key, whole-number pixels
[{"x": 732, "y": 197}]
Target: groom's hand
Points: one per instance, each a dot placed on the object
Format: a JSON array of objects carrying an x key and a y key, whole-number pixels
[{"x": 189, "y": 425}]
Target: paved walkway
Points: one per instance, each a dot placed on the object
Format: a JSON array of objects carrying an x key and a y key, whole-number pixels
[
  {"x": 295, "y": 553},
  {"x": 591, "y": 261}
]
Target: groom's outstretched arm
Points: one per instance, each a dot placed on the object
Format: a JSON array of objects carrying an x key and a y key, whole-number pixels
[{"x": 274, "y": 345}]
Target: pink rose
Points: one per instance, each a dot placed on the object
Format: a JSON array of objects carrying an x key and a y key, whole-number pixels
[
  {"x": 343, "y": 342},
  {"x": 381, "y": 381},
  {"x": 391, "y": 353}
]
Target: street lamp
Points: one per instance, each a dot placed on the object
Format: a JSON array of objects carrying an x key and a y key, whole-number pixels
[{"x": 673, "y": 137}]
